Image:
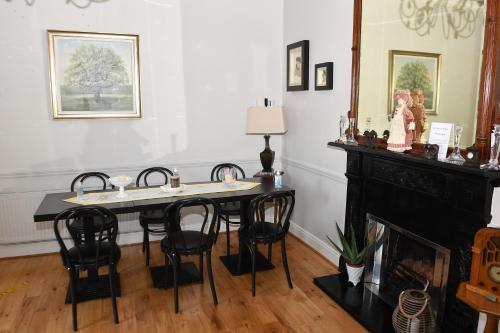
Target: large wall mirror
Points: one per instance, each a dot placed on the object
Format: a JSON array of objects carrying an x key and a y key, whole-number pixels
[{"x": 435, "y": 50}]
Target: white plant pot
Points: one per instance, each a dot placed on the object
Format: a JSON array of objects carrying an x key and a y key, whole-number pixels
[{"x": 354, "y": 273}]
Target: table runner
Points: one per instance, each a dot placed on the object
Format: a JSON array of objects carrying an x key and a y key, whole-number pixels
[{"x": 99, "y": 198}]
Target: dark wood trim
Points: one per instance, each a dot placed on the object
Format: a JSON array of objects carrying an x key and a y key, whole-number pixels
[
  {"x": 489, "y": 92},
  {"x": 489, "y": 76},
  {"x": 356, "y": 53}
]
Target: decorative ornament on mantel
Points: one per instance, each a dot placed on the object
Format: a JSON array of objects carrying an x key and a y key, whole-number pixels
[
  {"x": 458, "y": 17},
  {"x": 77, "y": 3}
]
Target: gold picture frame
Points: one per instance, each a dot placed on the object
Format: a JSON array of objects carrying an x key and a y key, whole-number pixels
[
  {"x": 415, "y": 70},
  {"x": 94, "y": 75}
]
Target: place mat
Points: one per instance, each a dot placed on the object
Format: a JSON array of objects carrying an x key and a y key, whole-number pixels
[{"x": 99, "y": 198}]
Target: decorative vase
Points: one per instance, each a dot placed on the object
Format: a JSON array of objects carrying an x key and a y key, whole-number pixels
[
  {"x": 351, "y": 139},
  {"x": 354, "y": 273},
  {"x": 495, "y": 150},
  {"x": 413, "y": 314},
  {"x": 455, "y": 156},
  {"x": 342, "y": 128}
]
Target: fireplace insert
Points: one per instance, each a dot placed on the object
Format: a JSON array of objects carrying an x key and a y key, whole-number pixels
[{"x": 403, "y": 260}]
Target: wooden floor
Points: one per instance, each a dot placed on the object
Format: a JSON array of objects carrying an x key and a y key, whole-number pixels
[{"x": 32, "y": 292}]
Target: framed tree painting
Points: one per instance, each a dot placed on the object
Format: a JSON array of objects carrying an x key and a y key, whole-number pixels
[
  {"x": 297, "y": 62},
  {"x": 323, "y": 76},
  {"x": 415, "y": 71},
  {"x": 94, "y": 75}
]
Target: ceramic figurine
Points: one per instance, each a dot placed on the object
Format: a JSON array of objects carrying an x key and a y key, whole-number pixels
[
  {"x": 418, "y": 111},
  {"x": 402, "y": 123}
]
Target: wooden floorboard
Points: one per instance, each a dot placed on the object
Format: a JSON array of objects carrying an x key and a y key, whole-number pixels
[{"x": 33, "y": 289}]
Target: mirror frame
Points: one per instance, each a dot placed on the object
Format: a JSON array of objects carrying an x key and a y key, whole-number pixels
[{"x": 488, "y": 107}]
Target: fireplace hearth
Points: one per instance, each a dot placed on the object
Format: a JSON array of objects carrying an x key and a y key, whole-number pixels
[{"x": 442, "y": 203}]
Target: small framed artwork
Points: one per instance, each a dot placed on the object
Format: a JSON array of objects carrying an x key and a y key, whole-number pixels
[
  {"x": 323, "y": 76},
  {"x": 418, "y": 72},
  {"x": 297, "y": 63},
  {"x": 94, "y": 75}
]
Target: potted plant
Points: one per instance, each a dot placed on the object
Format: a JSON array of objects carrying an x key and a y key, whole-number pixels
[{"x": 353, "y": 256}]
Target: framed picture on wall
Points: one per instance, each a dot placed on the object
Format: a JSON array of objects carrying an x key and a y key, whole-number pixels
[
  {"x": 418, "y": 72},
  {"x": 297, "y": 63},
  {"x": 94, "y": 75},
  {"x": 323, "y": 76}
]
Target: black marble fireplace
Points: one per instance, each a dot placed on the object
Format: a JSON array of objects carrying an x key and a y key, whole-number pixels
[{"x": 442, "y": 203}]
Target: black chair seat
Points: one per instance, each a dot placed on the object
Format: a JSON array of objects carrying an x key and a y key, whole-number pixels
[
  {"x": 230, "y": 208},
  {"x": 88, "y": 254},
  {"x": 265, "y": 232},
  {"x": 186, "y": 241},
  {"x": 98, "y": 220},
  {"x": 152, "y": 216}
]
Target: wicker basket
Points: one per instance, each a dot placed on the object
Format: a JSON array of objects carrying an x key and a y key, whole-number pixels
[{"x": 413, "y": 313}]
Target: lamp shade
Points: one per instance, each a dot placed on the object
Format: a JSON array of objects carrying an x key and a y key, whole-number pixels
[{"x": 266, "y": 120}]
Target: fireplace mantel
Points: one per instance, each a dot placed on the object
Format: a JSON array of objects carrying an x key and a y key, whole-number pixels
[{"x": 442, "y": 202}]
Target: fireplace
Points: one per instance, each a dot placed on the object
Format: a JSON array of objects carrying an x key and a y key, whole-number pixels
[
  {"x": 403, "y": 260},
  {"x": 442, "y": 203}
]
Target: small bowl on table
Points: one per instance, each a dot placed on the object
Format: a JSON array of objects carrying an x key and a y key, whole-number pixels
[
  {"x": 172, "y": 190},
  {"x": 120, "y": 181}
]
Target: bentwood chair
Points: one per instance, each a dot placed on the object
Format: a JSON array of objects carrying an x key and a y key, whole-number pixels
[
  {"x": 180, "y": 242},
  {"x": 99, "y": 176},
  {"x": 90, "y": 248},
  {"x": 259, "y": 231},
  {"x": 151, "y": 220},
  {"x": 229, "y": 209},
  {"x": 96, "y": 177}
]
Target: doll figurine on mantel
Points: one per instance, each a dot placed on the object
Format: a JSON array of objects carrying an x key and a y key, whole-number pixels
[{"x": 402, "y": 123}]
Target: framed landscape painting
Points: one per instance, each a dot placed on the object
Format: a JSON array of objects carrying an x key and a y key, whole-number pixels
[
  {"x": 415, "y": 71},
  {"x": 94, "y": 75},
  {"x": 297, "y": 63}
]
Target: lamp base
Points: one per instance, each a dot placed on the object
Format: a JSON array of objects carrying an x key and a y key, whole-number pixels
[{"x": 267, "y": 158}]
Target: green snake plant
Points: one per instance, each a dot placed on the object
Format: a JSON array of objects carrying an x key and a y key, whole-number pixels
[{"x": 350, "y": 251}]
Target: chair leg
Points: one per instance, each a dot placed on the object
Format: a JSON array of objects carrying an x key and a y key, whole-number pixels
[
  {"x": 217, "y": 229},
  {"x": 72, "y": 289},
  {"x": 176, "y": 291},
  {"x": 201, "y": 267},
  {"x": 269, "y": 252},
  {"x": 146, "y": 243},
  {"x": 144, "y": 231},
  {"x": 253, "y": 250},
  {"x": 285, "y": 263},
  {"x": 240, "y": 258},
  {"x": 167, "y": 262},
  {"x": 228, "y": 238},
  {"x": 112, "y": 272},
  {"x": 211, "y": 277}
]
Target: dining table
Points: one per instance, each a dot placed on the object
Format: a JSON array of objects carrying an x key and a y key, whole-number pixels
[{"x": 95, "y": 286}]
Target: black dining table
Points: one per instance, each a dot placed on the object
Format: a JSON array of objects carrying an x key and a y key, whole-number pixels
[{"x": 53, "y": 203}]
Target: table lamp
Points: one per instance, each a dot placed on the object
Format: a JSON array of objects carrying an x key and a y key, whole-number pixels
[{"x": 267, "y": 121}]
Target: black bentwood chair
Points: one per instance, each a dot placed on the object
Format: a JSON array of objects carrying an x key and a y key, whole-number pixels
[
  {"x": 97, "y": 177},
  {"x": 259, "y": 231},
  {"x": 151, "y": 220},
  {"x": 81, "y": 178},
  {"x": 228, "y": 209},
  {"x": 180, "y": 242},
  {"x": 90, "y": 250}
]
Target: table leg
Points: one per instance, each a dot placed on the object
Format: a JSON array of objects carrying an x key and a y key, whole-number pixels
[{"x": 231, "y": 262}]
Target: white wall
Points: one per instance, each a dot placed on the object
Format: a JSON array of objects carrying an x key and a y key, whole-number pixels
[
  {"x": 202, "y": 64},
  {"x": 317, "y": 172}
]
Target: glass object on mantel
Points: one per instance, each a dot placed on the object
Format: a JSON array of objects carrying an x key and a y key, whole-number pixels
[
  {"x": 351, "y": 139},
  {"x": 455, "y": 156},
  {"x": 495, "y": 150},
  {"x": 342, "y": 128}
]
